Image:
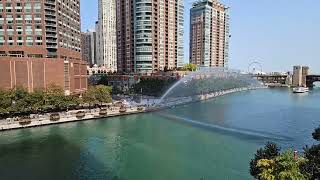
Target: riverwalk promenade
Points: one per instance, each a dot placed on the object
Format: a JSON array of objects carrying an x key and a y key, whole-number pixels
[
  {"x": 36, "y": 120},
  {"x": 65, "y": 117}
]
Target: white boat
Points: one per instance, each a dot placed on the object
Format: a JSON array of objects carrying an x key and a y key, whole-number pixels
[{"x": 300, "y": 90}]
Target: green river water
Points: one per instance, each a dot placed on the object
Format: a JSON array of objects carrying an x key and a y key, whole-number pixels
[{"x": 208, "y": 140}]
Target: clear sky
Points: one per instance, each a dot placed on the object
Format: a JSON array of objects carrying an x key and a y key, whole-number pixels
[{"x": 277, "y": 33}]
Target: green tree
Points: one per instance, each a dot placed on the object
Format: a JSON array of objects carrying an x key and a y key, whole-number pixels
[
  {"x": 36, "y": 100},
  {"x": 267, "y": 168},
  {"x": 19, "y": 97},
  {"x": 316, "y": 134},
  {"x": 55, "y": 98},
  {"x": 284, "y": 166},
  {"x": 312, "y": 155},
  {"x": 116, "y": 90},
  {"x": 98, "y": 95},
  {"x": 270, "y": 151},
  {"x": 5, "y": 101},
  {"x": 90, "y": 96},
  {"x": 190, "y": 67},
  {"x": 103, "y": 80},
  {"x": 103, "y": 94}
]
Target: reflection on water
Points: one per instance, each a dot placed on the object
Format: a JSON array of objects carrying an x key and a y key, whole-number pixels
[{"x": 248, "y": 134}]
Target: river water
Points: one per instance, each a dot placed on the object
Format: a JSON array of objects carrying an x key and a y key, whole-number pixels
[{"x": 212, "y": 139}]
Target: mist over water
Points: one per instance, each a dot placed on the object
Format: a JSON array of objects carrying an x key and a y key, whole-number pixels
[{"x": 209, "y": 80}]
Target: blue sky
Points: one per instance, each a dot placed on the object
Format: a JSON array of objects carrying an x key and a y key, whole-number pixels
[{"x": 277, "y": 33}]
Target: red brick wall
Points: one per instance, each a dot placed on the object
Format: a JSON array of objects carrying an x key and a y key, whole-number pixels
[
  {"x": 21, "y": 69},
  {"x": 5, "y": 76},
  {"x": 38, "y": 73}
]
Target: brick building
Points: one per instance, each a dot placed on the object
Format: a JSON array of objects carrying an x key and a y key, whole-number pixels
[{"x": 40, "y": 44}]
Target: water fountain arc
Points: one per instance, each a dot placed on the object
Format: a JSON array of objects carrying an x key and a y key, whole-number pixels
[{"x": 209, "y": 81}]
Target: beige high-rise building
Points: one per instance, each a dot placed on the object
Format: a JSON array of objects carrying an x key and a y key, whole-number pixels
[
  {"x": 300, "y": 74},
  {"x": 209, "y": 34},
  {"x": 106, "y": 40},
  {"x": 150, "y": 35}
]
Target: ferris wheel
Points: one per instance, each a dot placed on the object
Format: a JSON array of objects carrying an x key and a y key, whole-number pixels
[{"x": 255, "y": 67}]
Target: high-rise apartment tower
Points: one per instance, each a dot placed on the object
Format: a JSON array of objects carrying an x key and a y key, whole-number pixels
[
  {"x": 149, "y": 35},
  {"x": 106, "y": 35},
  {"x": 88, "y": 47},
  {"x": 209, "y": 34}
]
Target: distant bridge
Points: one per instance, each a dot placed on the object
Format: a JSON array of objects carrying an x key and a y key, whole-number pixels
[
  {"x": 272, "y": 79},
  {"x": 283, "y": 79},
  {"x": 310, "y": 79}
]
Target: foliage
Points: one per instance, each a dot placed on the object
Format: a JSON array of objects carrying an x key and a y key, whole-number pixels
[
  {"x": 5, "y": 101},
  {"x": 284, "y": 166},
  {"x": 316, "y": 134},
  {"x": 153, "y": 87},
  {"x": 270, "y": 151},
  {"x": 312, "y": 154},
  {"x": 103, "y": 80},
  {"x": 116, "y": 90},
  {"x": 98, "y": 94},
  {"x": 18, "y": 102},
  {"x": 190, "y": 67},
  {"x": 312, "y": 165},
  {"x": 287, "y": 165},
  {"x": 103, "y": 94},
  {"x": 267, "y": 168},
  {"x": 90, "y": 97}
]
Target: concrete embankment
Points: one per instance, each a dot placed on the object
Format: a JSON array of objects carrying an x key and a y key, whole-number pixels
[{"x": 64, "y": 117}]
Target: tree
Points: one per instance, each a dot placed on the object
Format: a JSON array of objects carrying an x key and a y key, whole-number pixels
[
  {"x": 312, "y": 155},
  {"x": 284, "y": 166},
  {"x": 36, "y": 100},
  {"x": 103, "y": 94},
  {"x": 55, "y": 98},
  {"x": 267, "y": 168},
  {"x": 5, "y": 102},
  {"x": 19, "y": 97},
  {"x": 98, "y": 94},
  {"x": 190, "y": 67},
  {"x": 116, "y": 90},
  {"x": 90, "y": 96},
  {"x": 103, "y": 80},
  {"x": 316, "y": 134},
  {"x": 312, "y": 165},
  {"x": 270, "y": 151}
]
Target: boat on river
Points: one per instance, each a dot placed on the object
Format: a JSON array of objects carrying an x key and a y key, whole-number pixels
[{"x": 300, "y": 90}]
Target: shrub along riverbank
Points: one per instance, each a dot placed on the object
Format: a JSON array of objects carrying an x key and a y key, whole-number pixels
[{"x": 18, "y": 102}]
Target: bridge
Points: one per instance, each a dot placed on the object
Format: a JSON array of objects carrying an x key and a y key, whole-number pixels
[
  {"x": 272, "y": 79},
  {"x": 285, "y": 79},
  {"x": 310, "y": 79}
]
